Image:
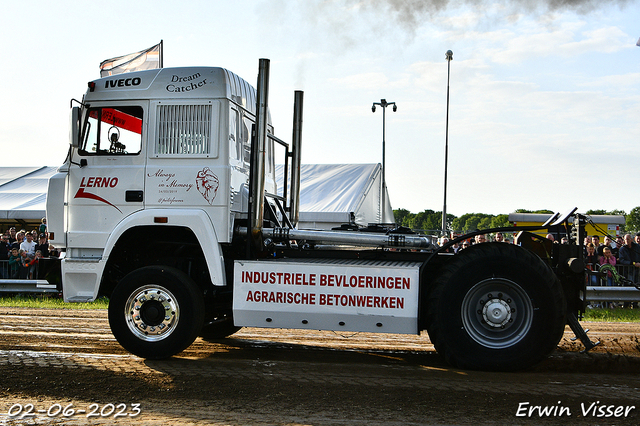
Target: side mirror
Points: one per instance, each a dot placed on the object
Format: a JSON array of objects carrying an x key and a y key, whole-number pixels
[{"x": 74, "y": 127}]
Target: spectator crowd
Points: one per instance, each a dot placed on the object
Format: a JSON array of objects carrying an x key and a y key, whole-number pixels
[
  {"x": 625, "y": 251},
  {"x": 21, "y": 251},
  {"x": 623, "y": 254},
  {"x": 498, "y": 237}
]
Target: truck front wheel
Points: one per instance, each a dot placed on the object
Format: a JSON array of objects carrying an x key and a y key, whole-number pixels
[
  {"x": 496, "y": 307},
  {"x": 156, "y": 312}
]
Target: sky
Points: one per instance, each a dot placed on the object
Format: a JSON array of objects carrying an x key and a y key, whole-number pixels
[{"x": 544, "y": 95}]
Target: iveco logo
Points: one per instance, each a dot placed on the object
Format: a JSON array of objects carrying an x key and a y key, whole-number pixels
[{"x": 122, "y": 82}]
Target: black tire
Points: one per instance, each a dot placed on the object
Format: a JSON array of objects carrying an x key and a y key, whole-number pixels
[
  {"x": 156, "y": 312},
  {"x": 496, "y": 307}
]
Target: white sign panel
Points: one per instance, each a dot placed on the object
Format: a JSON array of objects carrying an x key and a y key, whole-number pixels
[{"x": 327, "y": 296}]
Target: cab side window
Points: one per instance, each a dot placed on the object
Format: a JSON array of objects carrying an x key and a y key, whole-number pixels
[
  {"x": 245, "y": 138},
  {"x": 234, "y": 143},
  {"x": 112, "y": 131}
]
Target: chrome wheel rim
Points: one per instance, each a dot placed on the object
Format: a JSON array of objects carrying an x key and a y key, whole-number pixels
[
  {"x": 497, "y": 313},
  {"x": 152, "y": 313}
]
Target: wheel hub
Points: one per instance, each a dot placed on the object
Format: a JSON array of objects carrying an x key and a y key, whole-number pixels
[
  {"x": 496, "y": 313},
  {"x": 152, "y": 313}
]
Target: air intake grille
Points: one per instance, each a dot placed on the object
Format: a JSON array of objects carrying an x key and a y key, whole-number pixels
[{"x": 183, "y": 130}]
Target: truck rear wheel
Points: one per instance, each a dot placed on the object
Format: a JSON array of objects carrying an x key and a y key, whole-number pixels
[
  {"x": 496, "y": 307},
  {"x": 156, "y": 312}
]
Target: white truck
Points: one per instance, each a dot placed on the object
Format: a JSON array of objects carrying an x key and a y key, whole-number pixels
[{"x": 167, "y": 205}]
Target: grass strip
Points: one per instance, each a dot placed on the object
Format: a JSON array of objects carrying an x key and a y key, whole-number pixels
[
  {"x": 612, "y": 315},
  {"x": 50, "y": 302}
]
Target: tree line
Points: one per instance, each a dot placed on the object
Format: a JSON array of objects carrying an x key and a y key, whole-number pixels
[{"x": 430, "y": 220}]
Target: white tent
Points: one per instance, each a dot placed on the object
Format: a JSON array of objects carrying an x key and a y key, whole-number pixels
[
  {"x": 329, "y": 193},
  {"x": 23, "y": 192}
]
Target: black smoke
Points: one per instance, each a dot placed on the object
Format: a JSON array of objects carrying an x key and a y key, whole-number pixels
[{"x": 412, "y": 12}]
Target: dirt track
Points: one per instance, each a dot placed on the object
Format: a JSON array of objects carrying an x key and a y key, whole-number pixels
[{"x": 261, "y": 376}]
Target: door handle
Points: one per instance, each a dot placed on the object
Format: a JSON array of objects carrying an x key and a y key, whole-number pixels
[{"x": 133, "y": 196}]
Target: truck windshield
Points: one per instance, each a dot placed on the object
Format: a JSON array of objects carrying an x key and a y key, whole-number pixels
[{"x": 112, "y": 131}]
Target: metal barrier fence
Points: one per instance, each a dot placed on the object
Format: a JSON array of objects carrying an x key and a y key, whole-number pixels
[
  {"x": 17, "y": 271},
  {"x": 602, "y": 285},
  {"x": 627, "y": 271},
  {"x": 15, "y": 278}
]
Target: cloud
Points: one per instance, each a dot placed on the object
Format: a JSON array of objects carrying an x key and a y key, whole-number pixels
[
  {"x": 603, "y": 40},
  {"x": 561, "y": 42},
  {"x": 368, "y": 80}
]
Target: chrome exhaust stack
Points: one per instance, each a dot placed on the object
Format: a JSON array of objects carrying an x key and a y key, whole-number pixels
[
  {"x": 296, "y": 159},
  {"x": 258, "y": 156}
]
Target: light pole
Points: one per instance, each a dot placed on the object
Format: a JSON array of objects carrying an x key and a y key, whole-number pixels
[
  {"x": 449, "y": 57},
  {"x": 384, "y": 104}
]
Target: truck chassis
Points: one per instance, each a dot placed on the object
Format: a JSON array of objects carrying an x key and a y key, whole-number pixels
[{"x": 173, "y": 273}]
